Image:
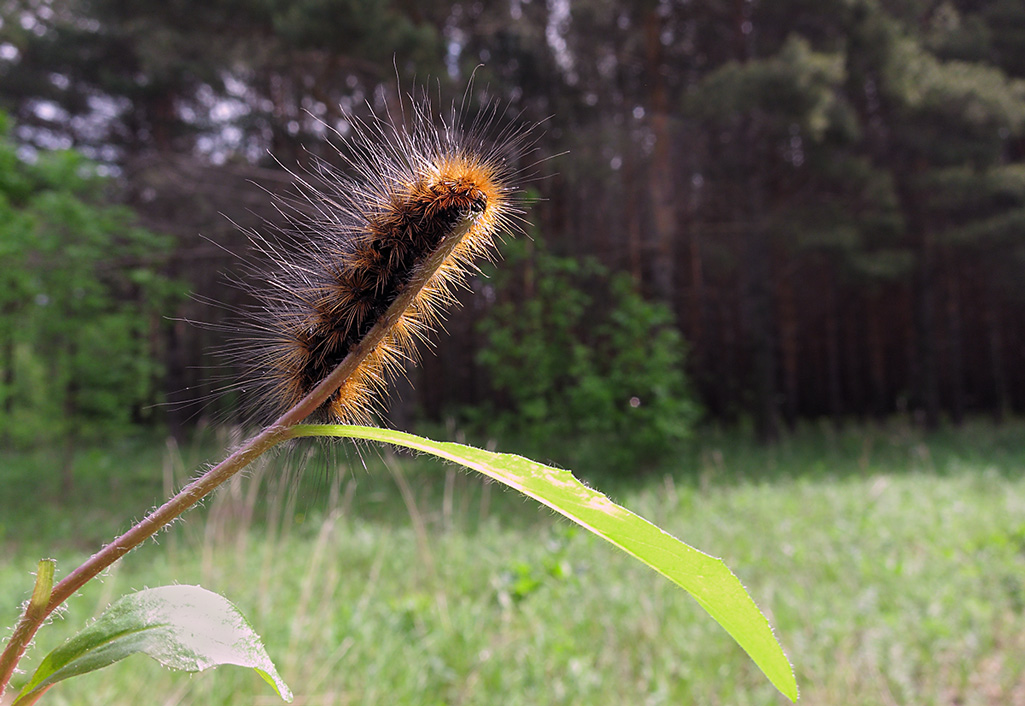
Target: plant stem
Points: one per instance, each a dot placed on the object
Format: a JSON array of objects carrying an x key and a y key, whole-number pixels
[{"x": 195, "y": 491}]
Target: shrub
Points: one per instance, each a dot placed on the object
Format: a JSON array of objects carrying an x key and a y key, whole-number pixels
[{"x": 573, "y": 351}]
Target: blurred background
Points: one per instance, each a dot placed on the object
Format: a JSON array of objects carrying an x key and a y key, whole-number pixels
[
  {"x": 755, "y": 212},
  {"x": 772, "y": 292}
]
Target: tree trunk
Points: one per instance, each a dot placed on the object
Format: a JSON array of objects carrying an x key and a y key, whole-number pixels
[
  {"x": 925, "y": 378},
  {"x": 789, "y": 349},
  {"x": 757, "y": 294},
  {"x": 833, "y": 370},
  {"x": 757, "y": 298},
  {"x": 877, "y": 356},
  {"x": 632, "y": 216},
  {"x": 954, "y": 350},
  {"x": 757, "y": 306},
  {"x": 727, "y": 381},
  {"x": 1002, "y": 398},
  {"x": 854, "y": 352},
  {"x": 927, "y": 384},
  {"x": 661, "y": 175}
]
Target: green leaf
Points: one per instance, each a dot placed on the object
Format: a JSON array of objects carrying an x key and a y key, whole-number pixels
[
  {"x": 182, "y": 627},
  {"x": 706, "y": 578}
]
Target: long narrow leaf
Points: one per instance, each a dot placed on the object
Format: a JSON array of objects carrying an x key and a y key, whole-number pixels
[{"x": 706, "y": 578}]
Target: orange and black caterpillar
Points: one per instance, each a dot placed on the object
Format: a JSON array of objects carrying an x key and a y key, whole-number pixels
[{"x": 425, "y": 196}]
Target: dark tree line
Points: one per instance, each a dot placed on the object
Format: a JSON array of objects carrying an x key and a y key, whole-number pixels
[{"x": 829, "y": 194}]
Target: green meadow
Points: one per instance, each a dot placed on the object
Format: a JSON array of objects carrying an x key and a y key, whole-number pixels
[{"x": 891, "y": 564}]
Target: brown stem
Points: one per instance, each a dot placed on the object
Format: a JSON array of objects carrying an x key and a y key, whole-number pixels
[{"x": 195, "y": 491}]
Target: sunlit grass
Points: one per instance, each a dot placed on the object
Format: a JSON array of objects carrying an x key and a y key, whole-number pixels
[{"x": 892, "y": 567}]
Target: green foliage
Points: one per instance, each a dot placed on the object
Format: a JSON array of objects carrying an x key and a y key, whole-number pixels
[
  {"x": 582, "y": 355},
  {"x": 80, "y": 301},
  {"x": 705, "y": 577},
  {"x": 182, "y": 627},
  {"x": 373, "y": 29},
  {"x": 794, "y": 89},
  {"x": 950, "y": 112},
  {"x": 918, "y": 539}
]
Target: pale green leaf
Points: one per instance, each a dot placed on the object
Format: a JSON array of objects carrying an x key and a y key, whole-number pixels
[{"x": 182, "y": 627}]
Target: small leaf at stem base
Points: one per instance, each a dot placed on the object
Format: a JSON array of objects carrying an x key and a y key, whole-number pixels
[{"x": 182, "y": 627}]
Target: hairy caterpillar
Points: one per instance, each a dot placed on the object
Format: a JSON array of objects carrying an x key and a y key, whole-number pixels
[{"x": 404, "y": 222}]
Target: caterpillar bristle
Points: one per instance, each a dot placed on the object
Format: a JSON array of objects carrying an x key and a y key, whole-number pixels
[{"x": 357, "y": 244}]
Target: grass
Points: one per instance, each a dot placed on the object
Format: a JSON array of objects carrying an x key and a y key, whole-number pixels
[{"x": 891, "y": 565}]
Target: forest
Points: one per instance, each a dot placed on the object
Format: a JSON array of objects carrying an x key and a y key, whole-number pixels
[
  {"x": 767, "y": 292},
  {"x": 765, "y": 211}
]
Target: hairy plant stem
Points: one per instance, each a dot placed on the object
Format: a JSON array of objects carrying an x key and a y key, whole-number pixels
[{"x": 275, "y": 433}]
